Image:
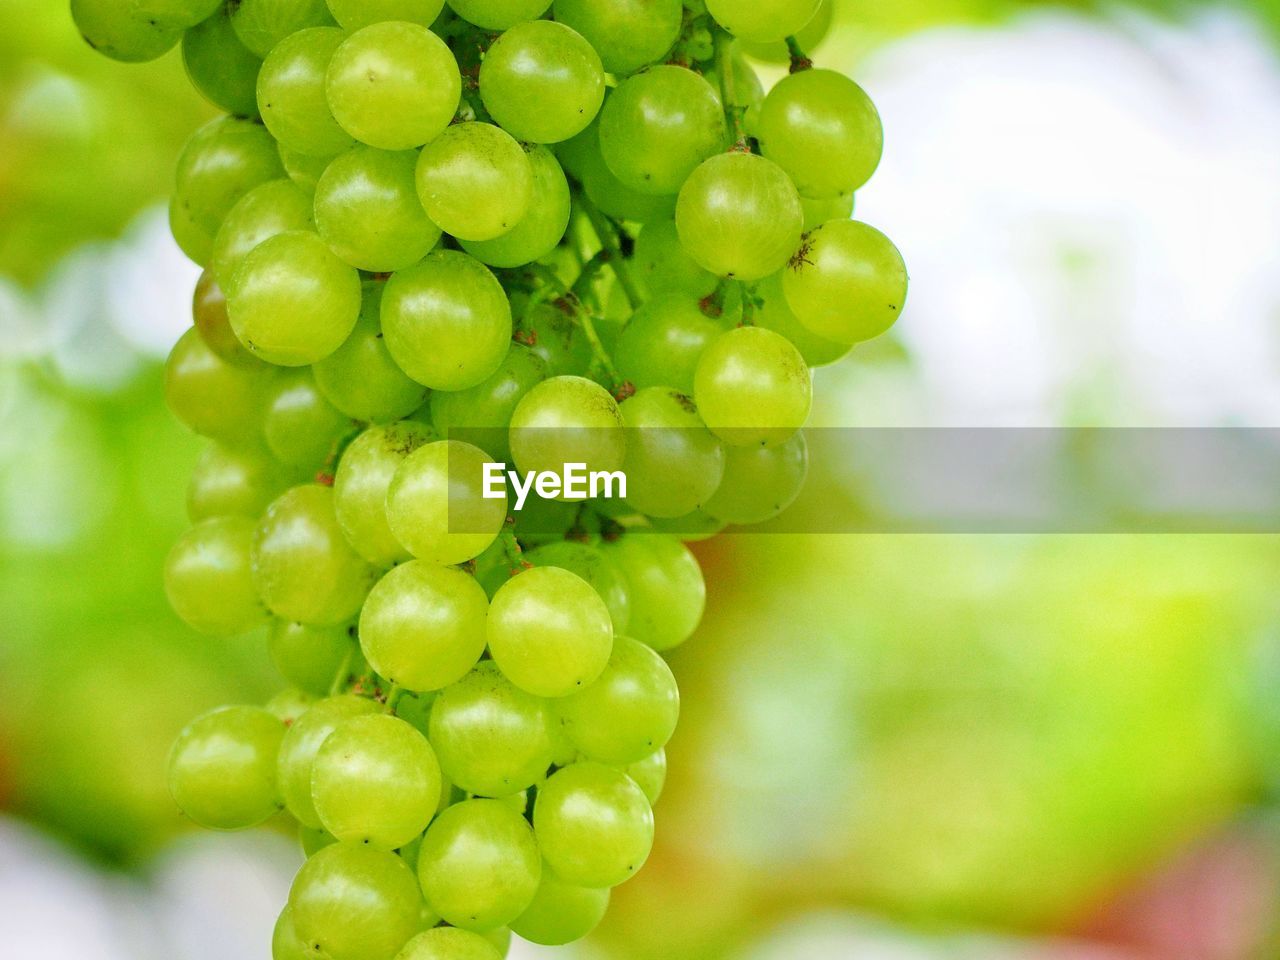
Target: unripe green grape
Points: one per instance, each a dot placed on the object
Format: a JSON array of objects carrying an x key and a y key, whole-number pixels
[
  {"x": 649, "y": 774},
  {"x": 222, "y": 162},
  {"x": 475, "y": 181},
  {"x": 394, "y": 86},
  {"x": 479, "y": 866},
  {"x": 662, "y": 343},
  {"x": 302, "y": 565},
  {"x": 222, "y": 769},
  {"x": 376, "y": 781},
  {"x": 823, "y": 130},
  {"x": 191, "y": 238},
  {"x": 753, "y": 388},
  {"x": 436, "y": 504},
  {"x": 285, "y": 942},
  {"x": 542, "y": 82},
  {"x": 660, "y": 261},
  {"x": 618, "y": 200},
  {"x": 291, "y": 93},
  {"x": 555, "y": 337},
  {"x": 212, "y": 397},
  {"x": 222, "y": 68},
  {"x": 233, "y": 482},
  {"x": 595, "y": 568},
  {"x": 481, "y": 415},
  {"x": 301, "y": 744},
  {"x": 209, "y": 313},
  {"x": 567, "y": 420},
  {"x": 301, "y": 427},
  {"x": 739, "y": 216},
  {"x": 492, "y": 738},
  {"x": 303, "y": 170},
  {"x": 628, "y": 34},
  {"x": 808, "y": 38},
  {"x": 549, "y": 632},
  {"x": 763, "y": 21},
  {"x": 673, "y": 463},
  {"x": 310, "y": 657},
  {"x": 561, "y": 913},
  {"x": 351, "y": 902},
  {"x": 269, "y": 209},
  {"x": 848, "y": 283},
  {"x": 123, "y": 35},
  {"x": 541, "y": 229},
  {"x": 818, "y": 212},
  {"x": 208, "y": 581},
  {"x": 291, "y": 301},
  {"x": 449, "y": 943},
  {"x": 668, "y": 594},
  {"x": 262, "y": 24},
  {"x": 594, "y": 825},
  {"x": 658, "y": 126},
  {"x": 693, "y": 527},
  {"x": 423, "y": 626},
  {"x": 447, "y": 321},
  {"x": 760, "y": 482},
  {"x": 360, "y": 488},
  {"x": 775, "y": 314},
  {"x": 498, "y": 14},
  {"x": 353, "y": 15}
]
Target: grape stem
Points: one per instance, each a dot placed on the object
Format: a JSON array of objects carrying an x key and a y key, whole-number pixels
[
  {"x": 729, "y": 92},
  {"x": 393, "y": 698},
  {"x": 570, "y": 301},
  {"x": 344, "y": 674},
  {"x": 800, "y": 61},
  {"x": 610, "y": 241}
]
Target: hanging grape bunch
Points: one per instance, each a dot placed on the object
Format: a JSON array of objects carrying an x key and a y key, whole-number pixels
[{"x": 436, "y": 239}]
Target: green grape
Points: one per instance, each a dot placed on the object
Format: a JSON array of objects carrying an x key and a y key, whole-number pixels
[
  {"x": 774, "y": 314},
  {"x": 262, "y": 24},
  {"x": 220, "y": 66},
  {"x": 212, "y": 397},
  {"x": 191, "y": 238},
  {"x": 436, "y": 504},
  {"x": 310, "y": 657},
  {"x": 269, "y": 209},
  {"x": 658, "y": 126},
  {"x": 561, "y": 913},
  {"x": 291, "y": 301},
  {"x": 303, "y": 170},
  {"x": 208, "y": 581},
  {"x": 739, "y": 216},
  {"x": 423, "y": 626},
  {"x": 222, "y": 769},
  {"x": 542, "y": 82},
  {"x": 542, "y": 228},
  {"x": 567, "y": 420},
  {"x": 291, "y": 93},
  {"x": 848, "y": 282},
  {"x": 818, "y": 212},
  {"x": 500, "y": 939},
  {"x": 760, "y": 482},
  {"x": 394, "y": 86},
  {"x": 232, "y": 482},
  {"x": 367, "y": 210},
  {"x": 479, "y": 866},
  {"x": 351, "y": 902},
  {"x": 575, "y": 153},
  {"x": 649, "y": 774},
  {"x": 498, "y": 14},
  {"x": 615, "y": 198},
  {"x": 823, "y": 130},
  {"x": 285, "y": 942},
  {"x": 449, "y": 943},
  {"x": 763, "y": 21},
  {"x": 492, "y": 738},
  {"x": 549, "y": 632},
  {"x": 447, "y": 321},
  {"x": 748, "y": 91},
  {"x": 288, "y": 705},
  {"x": 673, "y": 463},
  {"x": 209, "y": 312},
  {"x": 174, "y": 13},
  {"x": 475, "y": 181},
  {"x": 360, "y": 488},
  {"x": 124, "y": 35},
  {"x": 375, "y": 780},
  {"x": 628, "y": 34},
  {"x": 222, "y": 162},
  {"x": 753, "y": 388},
  {"x": 301, "y": 744},
  {"x": 594, "y": 825},
  {"x": 661, "y": 344},
  {"x": 314, "y": 840},
  {"x": 302, "y": 566},
  {"x": 660, "y": 261},
  {"x": 481, "y": 414},
  {"x": 808, "y": 38},
  {"x": 668, "y": 594},
  {"x": 302, "y": 428},
  {"x": 691, "y": 528},
  {"x": 593, "y": 566},
  {"x": 352, "y": 15},
  {"x": 554, "y": 336}
]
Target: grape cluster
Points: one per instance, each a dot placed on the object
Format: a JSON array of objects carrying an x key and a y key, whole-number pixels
[{"x": 436, "y": 238}]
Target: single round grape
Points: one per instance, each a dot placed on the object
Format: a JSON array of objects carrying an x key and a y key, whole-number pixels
[
  {"x": 567, "y": 420},
  {"x": 593, "y": 824},
  {"x": 760, "y": 482},
  {"x": 291, "y": 301},
  {"x": 668, "y": 594},
  {"x": 222, "y": 68},
  {"x": 209, "y": 313},
  {"x": 479, "y": 866},
  {"x": 360, "y": 488},
  {"x": 302, "y": 566},
  {"x": 549, "y": 632},
  {"x": 614, "y": 197},
  {"x": 423, "y": 626},
  {"x": 542, "y": 82},
  {"x": 628, "y": 34},
  {"x": 492, "y": 738},
  {"x": 123, "y": 35},
  {"x": 848, "y": 283},
  {"x": 541, "y": 229},
  {"x": 302, "y": 428},
  {"x": 449, "y": 943},
  {"x": 593, "y": 566},
  {"x": 222, "y": 769},
  {"x": 498, "y": 14},
  {"x": 437, "y": 505},
  {"x": 303, "y": 170},
  {"x": 285, "y": 942},
  {"x": 394, "y": 86},
  {"x": 212, "y": 397},
  {"x": 561, "y": 913},
  {"x": 823, "y": 130},
  {"x": 481, "y": 414},
  {"x": 775, "y": 314},
  {"x": 809, "y": 38},
  {"x": 739, "y": 216},
  {"x": 192, "y": 239},
  {"x": 660, "y": 261},
  {"x": 475, "y": 181},
  {"x": 376, "y": 781},
  {"x": 818, "y": 212},
  {"x": 233, "y": 482},
  {"x": 658, "y": 126},
  {"x": 649, "y": 774},
  {"x": 763, "y": 21},
  {"x": 673, "y": 463},
  {"x": 222, "y": 162},
  {"x": 269, "y": 209},
  {"x": 753, "y": 388},
  {"x": 554, "y": 336},
  {"x": 351, "y": 902},
  {"x": 447, "y": 321},
  {"x": 310, "y": 657},
  {"x": 663, "y": 341},
  {"x": 301, "y": 744},
  {"x": 291, "y": 93},
  {"x": 352, "y": 15},
  {"x": 261, "y": 24},
  {"x": 208, "y": 581}
]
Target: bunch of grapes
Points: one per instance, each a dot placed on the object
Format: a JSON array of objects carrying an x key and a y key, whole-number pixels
[{"x": 439, "y": 238}]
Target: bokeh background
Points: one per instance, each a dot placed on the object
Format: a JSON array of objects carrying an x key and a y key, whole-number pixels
[{"x": 893, "y": 747}]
